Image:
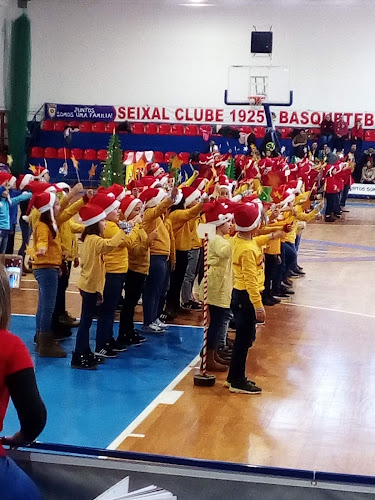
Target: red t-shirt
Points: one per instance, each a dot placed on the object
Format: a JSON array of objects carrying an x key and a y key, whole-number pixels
[{"x": 14, "y": 357}]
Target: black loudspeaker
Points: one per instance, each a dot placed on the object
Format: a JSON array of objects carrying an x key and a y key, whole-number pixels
[
  {"x": 261, "y": 42},
  {"x": 22, "y": 4}
]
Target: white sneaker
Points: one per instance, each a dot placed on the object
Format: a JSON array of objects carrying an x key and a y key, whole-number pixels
[
  {"x": 160, "y": 324},
  {"x": 153, "y": 328}
]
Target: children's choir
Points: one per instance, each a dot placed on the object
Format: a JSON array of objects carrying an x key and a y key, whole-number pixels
[{"x": 140, "y": 242}]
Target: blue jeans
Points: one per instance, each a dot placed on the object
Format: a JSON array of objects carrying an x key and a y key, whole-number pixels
[
  {"x": 290, "y": 258},
  {"x": 154, "y": 288},
  {"x": 14, "y": 483},
  {"x": 88, "y": 311},
  {"x": 327, "y": 139},
  {"x": 190, "y": 274},
  {"x": 217, "y": 331},
  {"x": 114, "y": 283},
  {"x": 344, "y": 195},
  {"x": 47, "y": 279},
  {"x": 4, "y": 233}
]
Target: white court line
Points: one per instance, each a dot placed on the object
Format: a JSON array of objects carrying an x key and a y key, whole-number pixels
[
  {"x": 137, "y": 435},
  {"x": 151, "y": 407},
  {"x": 35, "y": 290},
  {"x": 328, "y": 309}
]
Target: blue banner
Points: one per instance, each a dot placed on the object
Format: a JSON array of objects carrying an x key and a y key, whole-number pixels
[{"x": 79, "y": 112}]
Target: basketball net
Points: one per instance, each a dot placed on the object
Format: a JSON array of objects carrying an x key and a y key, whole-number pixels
[{"x": 256, "y": 101}]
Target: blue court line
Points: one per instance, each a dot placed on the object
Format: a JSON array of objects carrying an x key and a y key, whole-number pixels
[
  {"x": 337, "y": 259},
  {"x": 344, "y": 245},
  {"x": 92, "y": 408},
  {"x": 357, "y": 204}
]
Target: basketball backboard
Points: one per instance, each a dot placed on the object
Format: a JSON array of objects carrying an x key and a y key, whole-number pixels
[{"x": 270, "y": 81}]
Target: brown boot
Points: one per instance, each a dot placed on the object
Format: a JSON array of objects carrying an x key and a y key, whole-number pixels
[
  {"x": 49, "y": 347},
  {"x": 212, "y": 365},
  {"x": 220, "y": 360}
]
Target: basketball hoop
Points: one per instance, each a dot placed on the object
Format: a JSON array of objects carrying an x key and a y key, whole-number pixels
[{"x": 256, "y": 100}]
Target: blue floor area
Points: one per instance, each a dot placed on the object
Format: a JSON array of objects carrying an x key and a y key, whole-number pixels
[{"x": 92, "y": 408}]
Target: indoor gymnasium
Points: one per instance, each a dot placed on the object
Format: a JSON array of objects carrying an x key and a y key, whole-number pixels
[{"x": 187, "y": 249}]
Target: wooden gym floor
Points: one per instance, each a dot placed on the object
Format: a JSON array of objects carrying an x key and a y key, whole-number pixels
[{"x": 313, "y": 358}]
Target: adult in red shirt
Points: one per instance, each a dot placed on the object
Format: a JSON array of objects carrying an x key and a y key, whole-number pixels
[
  {"x": 17, "y": 381},
  {"x": 326, "y": 130},
  {"x": 341, "y": 132},
  {"x": 357, "y": 135}
]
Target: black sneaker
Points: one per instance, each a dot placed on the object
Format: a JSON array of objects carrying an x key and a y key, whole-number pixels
[
  {"x": 245, "y": 387},
  {"x": 275, "y": 300},
  {"x": 186, "y": 306},
  {"x": 119, "y": 345},
  {"x": 106, "y": 352},
  {"x": 83, "y": 361},
  {"x": 195, "y": 306},
  {"x": 97, "y": 359},
  {"x": 267, "y": 301},
  {"x": 134, "y": 339},
  {"x": 286, "y": 290},
  {"x": 299, "y": 271},
  {"x": 227, "y": 383},
  {"x": 281, "y": 295}
]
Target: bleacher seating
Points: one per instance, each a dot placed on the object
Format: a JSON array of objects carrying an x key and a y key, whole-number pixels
[
  {"x": 101, "y": 154},
  {"x": 89, "y": 154},
  {"x": 110, "y": 127},
  {"x": 184, "y": 157},
  {"x": 85, "y": 127},
  {"x": 63, "y": 153},
  {"x": 152, "y": 128},
  {"x": 370, "y": 135},
  {"x": 259, "y": 132},
  {"x": 191, "y": 130},
  {"x": 37, "y": 152},
  {"x": 60, "y": 126},
  {"x": 99, "y": 127},
  {"x": 178, "y": 129},
  {"x": 50, "y": 153},
  {"x": 138, "y": 128},
  {"x": 48, "y": 125},
  {"x": 158, "y": 156},
  {"x": 77, "y": 153},
  {"x": 168, "y": 155},
  {"x": 165, "y": 129}
]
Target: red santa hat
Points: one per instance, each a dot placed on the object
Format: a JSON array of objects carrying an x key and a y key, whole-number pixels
[
  {"x": 106, "y": 202},
  {"x": 252, "y": 198},
  {"x": 152, "y": 197},
  {"x": 91, "y": 214},
  {"x": 217, "y": 213},
  {"x": 117, "y": 190},
  {"x": 39, "y": 172},
  {"x": 128, "y": 204},
  {"x": 7, "y": 177},
  {"x": 190, "y": 194},
  {"x": 154, "y": 169},
  {"x": 200, "y": 183},
  {"x": 63, "y": 185},
  {"x": 149, "y": 181},
  {"x": 44, "y": 201},
  {"x": 23, "y": 181},
  {"x": 134, "y": 184},
  {"x": 247, "y": 216}
]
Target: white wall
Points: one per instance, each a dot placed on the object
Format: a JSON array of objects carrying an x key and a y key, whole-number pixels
[{"x": 157, "y": 52}]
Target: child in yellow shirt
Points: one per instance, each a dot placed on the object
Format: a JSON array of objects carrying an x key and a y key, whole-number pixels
[
  {"x": 220, "y": 284},
  {"x": 139, "y": 263},
  {"x": 92, "y": 279},
  {"x": 247, "y": 305}
]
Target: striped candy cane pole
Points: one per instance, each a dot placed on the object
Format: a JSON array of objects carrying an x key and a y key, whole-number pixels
[{"x": 205, "y": 306}]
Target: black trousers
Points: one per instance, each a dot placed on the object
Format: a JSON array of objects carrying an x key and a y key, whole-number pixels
[
  {"x": 10, "y": 244},
  {"x": 333, "y": 203},
  {"x": 177, "y": 278},
  {"x": 244, "y": 316},
  {"x": 271, "y": 264},
  {"x": 134, "y": 284},
  {"x": 63, "y": 283}
]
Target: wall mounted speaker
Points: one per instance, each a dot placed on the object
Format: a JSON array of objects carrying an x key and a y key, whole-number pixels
[{"x": 261, "y": 42}]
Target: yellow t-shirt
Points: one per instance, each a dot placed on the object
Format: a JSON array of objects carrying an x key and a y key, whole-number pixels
[{"x": 220, "y": 272}]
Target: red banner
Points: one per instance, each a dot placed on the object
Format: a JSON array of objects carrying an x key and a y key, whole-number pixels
[{"x": 236, "y": 115}]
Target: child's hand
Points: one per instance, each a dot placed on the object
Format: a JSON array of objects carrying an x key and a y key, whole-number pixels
[
  {"x": 174, "y": 194},
  {"x": 152, "y": 236},
  {"x": 260, "y": 314},
  {"x": 76, "y": 262},
  {"x": 278, "y": 234},
  {"x": 41, "y": 252},
  {"x": 90, "y": 194},
  {"x": 78, "y": 188}
]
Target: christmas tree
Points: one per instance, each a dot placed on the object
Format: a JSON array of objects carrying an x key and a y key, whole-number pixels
[
  {"x": 230, "y": 171},
  {"x": 113, "y": 170}
]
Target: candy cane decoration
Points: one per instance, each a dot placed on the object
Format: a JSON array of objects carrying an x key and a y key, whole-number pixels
[{"x": 205, "y": 306}]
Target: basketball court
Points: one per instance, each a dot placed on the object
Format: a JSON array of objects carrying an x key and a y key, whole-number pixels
[{"x": 313, "y": 359}]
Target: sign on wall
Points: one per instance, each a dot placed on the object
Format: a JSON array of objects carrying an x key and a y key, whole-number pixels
[
  {"x": 229, "y": 115},
  {"x": 79, "y": 112},
  {"x": 362, "y": 190}
]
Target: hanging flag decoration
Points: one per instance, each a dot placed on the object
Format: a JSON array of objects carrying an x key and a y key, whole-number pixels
[
  {"x": 92, "y": 171},
  {"x": 76, "y": 166},
  {"x": 63, "y": 170}
]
